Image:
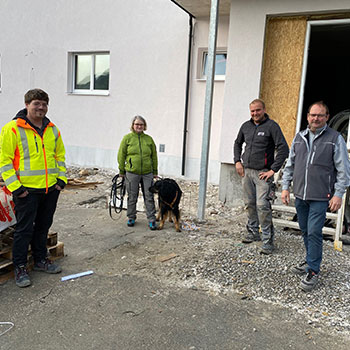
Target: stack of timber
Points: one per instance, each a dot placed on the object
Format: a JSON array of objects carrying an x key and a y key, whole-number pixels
[
  {"x": 284, "y": 216},
  {"x": 55, "y": 249},
  {"x": 79, "y": 183}
]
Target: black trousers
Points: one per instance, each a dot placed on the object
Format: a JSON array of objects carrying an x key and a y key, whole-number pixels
[{"x": 34, "y": 215}]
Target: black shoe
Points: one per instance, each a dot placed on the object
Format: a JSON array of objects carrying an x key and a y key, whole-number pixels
[
  {"x": 250, "y": 237},
  {"x": 47, "y": 266},
  {"x": 152, "y": 225},
  {"x": 300, "y": 269},
  {"x": 21, "y": 276},
  {"x": 308, "y": 283},
  {"x": 267, "y": 248},
  {"x": 131, "y": 222}
]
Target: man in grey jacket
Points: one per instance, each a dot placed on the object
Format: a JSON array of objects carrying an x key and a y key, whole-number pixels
[
  {"x": 265, "y": 151},
  {"x": 319, "y": 167}
]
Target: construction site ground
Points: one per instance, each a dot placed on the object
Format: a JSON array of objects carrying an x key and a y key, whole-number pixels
[{"x": 196, "y": 289}]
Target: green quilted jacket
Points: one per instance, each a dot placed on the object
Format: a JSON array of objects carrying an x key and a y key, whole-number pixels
[{"x": 138, "y": 154}]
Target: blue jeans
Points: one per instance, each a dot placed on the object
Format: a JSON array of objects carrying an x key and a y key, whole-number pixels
[{"x": 311, "y": 218}]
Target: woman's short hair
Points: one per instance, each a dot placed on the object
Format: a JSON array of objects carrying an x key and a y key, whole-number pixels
[{"x": 140, "y": 118}]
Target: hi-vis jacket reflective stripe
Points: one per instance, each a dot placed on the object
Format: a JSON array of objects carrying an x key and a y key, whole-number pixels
[{"x": 29, "y": 160}]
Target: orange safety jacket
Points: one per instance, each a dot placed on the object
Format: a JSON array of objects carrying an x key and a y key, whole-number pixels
[{"x": 29, "y": 160}]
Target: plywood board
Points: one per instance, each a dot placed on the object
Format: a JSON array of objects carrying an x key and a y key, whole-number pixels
[{"x": 282, "y": 70}]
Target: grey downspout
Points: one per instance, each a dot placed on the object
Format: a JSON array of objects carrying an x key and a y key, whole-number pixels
[
  {"x": 187, "y": 91},
  {"x": 184, "y": 142}
]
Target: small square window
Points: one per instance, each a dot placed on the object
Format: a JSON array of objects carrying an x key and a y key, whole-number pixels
[
  {"x": 89, "y": 73},
  {"x": 220, "y": 64}
]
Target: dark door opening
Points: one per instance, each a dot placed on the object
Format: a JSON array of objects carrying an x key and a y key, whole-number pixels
[{"x": 328, "y": 72}]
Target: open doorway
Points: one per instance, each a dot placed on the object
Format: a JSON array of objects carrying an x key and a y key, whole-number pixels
[
  {"x": 326, "y": 77},
  {"x": 327, "y": 73}
]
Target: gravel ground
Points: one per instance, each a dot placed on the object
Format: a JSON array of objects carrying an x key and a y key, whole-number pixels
[{"x": 211, "y": 257}]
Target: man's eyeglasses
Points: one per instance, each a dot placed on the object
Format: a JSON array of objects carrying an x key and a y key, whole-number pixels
[{"x": 318, "y": 115}]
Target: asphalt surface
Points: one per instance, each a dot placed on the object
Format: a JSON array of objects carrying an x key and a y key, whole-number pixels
[{"x": 134, "y": 311}]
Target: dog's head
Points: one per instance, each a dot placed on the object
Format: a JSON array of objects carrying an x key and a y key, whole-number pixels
[{"x": 156, "y": 186}]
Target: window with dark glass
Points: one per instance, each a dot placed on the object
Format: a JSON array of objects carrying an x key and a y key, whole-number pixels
[{"x": 91, "y": 71}]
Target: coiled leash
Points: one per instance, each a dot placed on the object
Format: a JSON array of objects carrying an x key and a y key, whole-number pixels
[{"x": 117, "y": 194}]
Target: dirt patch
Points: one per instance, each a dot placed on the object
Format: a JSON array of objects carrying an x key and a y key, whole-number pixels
[{"x": 210, "y": 256}]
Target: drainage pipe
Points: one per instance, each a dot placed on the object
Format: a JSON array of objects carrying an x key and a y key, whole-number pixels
[{"x": 187, "y": 91}]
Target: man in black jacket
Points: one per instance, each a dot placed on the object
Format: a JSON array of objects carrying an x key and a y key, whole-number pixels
[{"x": 262, "y": 138}]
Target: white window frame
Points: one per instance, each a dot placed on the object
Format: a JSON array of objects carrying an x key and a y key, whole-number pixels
[
  {"x": 202, "y": 52},
  {"x": 71, "y": 74}
]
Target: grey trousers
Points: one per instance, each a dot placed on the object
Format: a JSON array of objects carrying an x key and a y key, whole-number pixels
[
  {"x": 132, "y": 185},
  {"x": 259, "y": 209}
]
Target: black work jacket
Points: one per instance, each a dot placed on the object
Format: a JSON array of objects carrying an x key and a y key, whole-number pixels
[{"x": 261, "y": 142}]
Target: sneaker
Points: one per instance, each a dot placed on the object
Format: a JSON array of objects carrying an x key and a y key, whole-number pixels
[
  {"x": 21, "y": 276},
  {"x": 47, "y": 266},
  {"x": 267, "y": 248},
  {"x": 300, "y": 269},
  {"x": 309, "y": 282},
  {"x": 250, "y": 237},
  {"x": 152, "y": 225},
  {"x": 131, "y": 222}
]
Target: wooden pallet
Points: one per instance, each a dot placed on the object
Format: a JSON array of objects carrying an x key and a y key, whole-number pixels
[{"x": 55, "y": 249}]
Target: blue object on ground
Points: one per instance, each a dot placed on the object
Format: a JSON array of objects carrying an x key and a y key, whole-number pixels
[{"x": 77, "y": 275}]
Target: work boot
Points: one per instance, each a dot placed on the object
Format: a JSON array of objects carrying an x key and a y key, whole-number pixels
[
  {"x": 308, "y": 283},
  {"x": 267, "y": 248},
  {"x": 251, "y": 237},
  {"x": 21, "y": 276},
  {"x": 300, "y": 269},
  {"x": 47, "y": 266}
]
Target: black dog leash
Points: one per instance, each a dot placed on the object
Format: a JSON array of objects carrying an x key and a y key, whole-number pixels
[{"x": 117, "y": 194}]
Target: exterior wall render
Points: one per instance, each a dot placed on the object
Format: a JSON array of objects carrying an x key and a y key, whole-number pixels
[
  {"x": 147, "y": 41},
  {"x": 245, "y": 57},
  {"x": 197, "y": 99}
]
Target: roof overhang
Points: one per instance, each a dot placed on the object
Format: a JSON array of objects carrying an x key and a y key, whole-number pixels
[{"x": 201, "y": 8}]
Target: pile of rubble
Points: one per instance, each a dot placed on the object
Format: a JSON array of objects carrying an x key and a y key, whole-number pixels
[{"x": 100, "y": 180}]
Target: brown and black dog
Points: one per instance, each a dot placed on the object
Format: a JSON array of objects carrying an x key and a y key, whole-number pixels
[{"x": 169, "y": 196}]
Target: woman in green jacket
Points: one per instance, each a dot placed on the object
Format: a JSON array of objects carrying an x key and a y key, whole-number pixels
[{"x": 138, "y": 162}]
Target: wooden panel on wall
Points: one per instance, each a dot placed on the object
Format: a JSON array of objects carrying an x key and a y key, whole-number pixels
[{"x": 282, "y": 69}]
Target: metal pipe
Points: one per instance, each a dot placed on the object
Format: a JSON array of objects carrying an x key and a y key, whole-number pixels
[
  {"x": 187, "y": 95},
  {"x": 187, "y": 91},
  {"x": 213, "y": 29}
]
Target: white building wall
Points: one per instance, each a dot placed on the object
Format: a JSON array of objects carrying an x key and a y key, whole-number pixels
[
  {"x": 147, "y": 40},
  {"x": 197, "y": 100},
  {"x": 245, "y": 54}
]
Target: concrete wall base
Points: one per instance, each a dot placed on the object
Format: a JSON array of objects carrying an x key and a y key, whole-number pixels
[{"x": 230, "y": 186}]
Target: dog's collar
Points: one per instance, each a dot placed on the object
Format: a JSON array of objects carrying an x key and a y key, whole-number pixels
[{"x": 172, "y": 203}]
